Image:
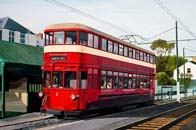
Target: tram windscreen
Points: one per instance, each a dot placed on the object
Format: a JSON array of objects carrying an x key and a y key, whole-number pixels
[
  {"x": 57, "y": 79},
  {"x": 47, "y": 79},
  {"x": 70, "y": 79}
]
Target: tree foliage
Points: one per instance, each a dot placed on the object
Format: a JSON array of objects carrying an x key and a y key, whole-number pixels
[
  {"x": 162, "y": 78},
  {"x": 165, "y": 63},
  {"x": 163, "y": 50}
]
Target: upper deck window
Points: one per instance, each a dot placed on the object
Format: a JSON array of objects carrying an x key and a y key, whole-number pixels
[
  {"x": 83, "y": 38},
  {"x": 141, "y": 56},
  {"x": 147, "y": 58},
  {"x": 59, "y": 37},
  {"x": 116, "y": 48},
  {"x": 110, "y": 46},
  {"x": 90, "y": 40},
  {"x": 125, "y": 51},
  {"x": 130, "y": 52},
  {"x": 103, "y": 44},
  {"x": 137, "y": 54},
  {"x": 71, "y": 37},
  {"x": 134, "y": 53},
  {"x": 48, "y": 38},
  {"x": 96, "y": 41},
  {"x": 121, "y": 49}
]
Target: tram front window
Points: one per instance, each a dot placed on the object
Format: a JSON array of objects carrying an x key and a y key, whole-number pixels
[
  {"x": 70, "y": 79},
  {"x": 47, "y": 79},
  {"x": 57, "y": 80}
]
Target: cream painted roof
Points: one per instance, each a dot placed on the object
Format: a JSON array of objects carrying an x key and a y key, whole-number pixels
[{"x": 82, "y": 26}]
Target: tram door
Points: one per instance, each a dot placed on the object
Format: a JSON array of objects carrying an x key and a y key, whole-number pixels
[
  {"x": 92, "y": 90},
  {"x": 34, "y": 86}
]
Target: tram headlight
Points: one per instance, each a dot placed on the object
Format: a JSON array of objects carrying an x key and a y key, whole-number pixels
[
  {"x": 74, "y": 97},
  {"x": 40, "y": 94}
]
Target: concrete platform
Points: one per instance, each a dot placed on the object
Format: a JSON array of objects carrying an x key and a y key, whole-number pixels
[{"x": 23, "y": 118}]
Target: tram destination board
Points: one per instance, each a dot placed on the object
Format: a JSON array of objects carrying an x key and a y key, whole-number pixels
[{"x": 54, "y": 58}]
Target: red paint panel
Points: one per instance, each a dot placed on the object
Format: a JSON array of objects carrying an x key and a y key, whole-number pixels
[{"x": 87, "y": 59}]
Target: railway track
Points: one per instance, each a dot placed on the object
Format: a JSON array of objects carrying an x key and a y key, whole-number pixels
[
  {"x": 52, "y": 121},
  {"x": 171, "y": 119},
  {"x": 33, "y": 124}
]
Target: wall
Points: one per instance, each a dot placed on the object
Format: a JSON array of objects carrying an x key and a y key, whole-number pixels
[
  {"x": 5, "y": 34},
  {"x": 187, "y": 65},
  {"x": 16, "y": 36}
]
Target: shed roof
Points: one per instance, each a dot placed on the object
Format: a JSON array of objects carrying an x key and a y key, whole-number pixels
[
  {"x": 8, "y": 23},
  {"x": 21, "y": 53}
]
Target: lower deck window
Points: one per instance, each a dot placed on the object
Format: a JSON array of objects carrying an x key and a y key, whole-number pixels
[
  {"x": 82, "y": 79},
  {"x": 47, "y": 79}
]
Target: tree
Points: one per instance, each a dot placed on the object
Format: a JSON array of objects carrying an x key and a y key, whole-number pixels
[
  {"x": 162, "y": 78},
  {"x": 185, "y": 81},
  {"x": 163, "y": 50}
]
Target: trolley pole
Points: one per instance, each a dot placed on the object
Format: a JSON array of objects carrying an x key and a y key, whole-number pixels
[{"x": 178, "y": 84}]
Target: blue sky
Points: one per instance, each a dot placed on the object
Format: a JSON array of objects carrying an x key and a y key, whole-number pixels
[{"x": 143, "y": 17}]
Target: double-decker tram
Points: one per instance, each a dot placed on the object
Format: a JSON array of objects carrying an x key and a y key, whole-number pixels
[{"x": 85, "y": 69}]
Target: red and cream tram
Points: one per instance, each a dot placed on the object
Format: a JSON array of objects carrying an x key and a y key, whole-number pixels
[{"x": 85, "y": 69}]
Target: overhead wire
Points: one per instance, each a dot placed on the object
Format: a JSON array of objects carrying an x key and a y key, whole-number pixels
[
  {"x": 147, "y": 39},
  {"x": 88, "y": 15},
  {"x": 166, "y": 9},
  {"x": 169, "y": 41}
]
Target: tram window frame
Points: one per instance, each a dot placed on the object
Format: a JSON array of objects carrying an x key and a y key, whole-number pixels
[
  {"x": 82, "y": 79},
  {"x": 121, "y": 49},
  {"x": 103, "y": 44},
  {"x": 103, "y": 79},
  {"x": 130, "y": 52},
  {"x": 48, "y": 38},
  {"x": 109, "y": 80},
  {"x": 130, "y": 81},
  {"x": 125, "y": 81},
  {"x": 60, "y": 35},
  {"x": 141, "y": 56},
  {"x": 58, "y": 80},
  {"x": 137, "y": 55},
  {"x": 47, "y": 80},
  {"x": 120, "y": 80},
  {"x": 72, "y": 80},
  {"x": 70, "y": 40},
  {"x": 134, "y": 56},
  {"x": 148, "y": 58},
  {"x": 134, "y": 80},
  {"x": 110, "y": 46},
  {"x": 141, "y": 80},
  {"x": 96, "y": 41},
  {"x": 145, "y": 57},
  {"x": 115, "y": 80},
  {"x": 151, "y": 59},
  {"x": 83, "y": 38},
  {"x": 125, "y": 51},
  {"x": 115, "y": 48},
  {"x": 90, "y": 40}
]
